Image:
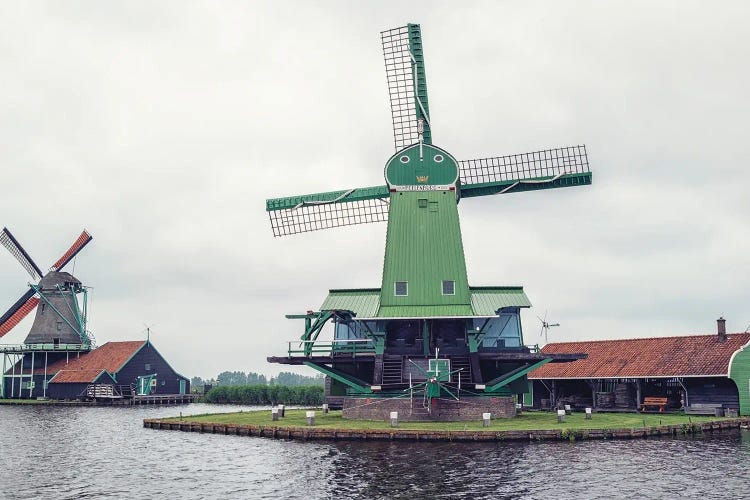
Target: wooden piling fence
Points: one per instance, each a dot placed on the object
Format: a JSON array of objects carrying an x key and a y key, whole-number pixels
[{"x": 336, "y": 434}]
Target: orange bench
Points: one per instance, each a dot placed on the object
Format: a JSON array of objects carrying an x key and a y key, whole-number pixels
[{"x": 661, "y": 403}]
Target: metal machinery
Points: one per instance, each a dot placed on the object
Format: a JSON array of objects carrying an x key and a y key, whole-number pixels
[
  {"x": 425, "y": 334},
  {"x": 59, "y": 328}
]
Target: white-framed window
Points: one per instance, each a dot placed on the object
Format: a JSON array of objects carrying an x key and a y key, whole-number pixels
[
  {"x": 449, "y": 287},
  {"x": 401, "y": 288},
  {"x": 148, "y": 366}
]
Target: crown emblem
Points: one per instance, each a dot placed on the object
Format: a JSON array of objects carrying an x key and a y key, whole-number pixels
[{"x": 422, "y": 178}]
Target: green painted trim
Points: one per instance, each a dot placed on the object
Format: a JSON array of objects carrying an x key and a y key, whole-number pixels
[
  {"x": 358, "y": 194},
  {"x": 491, "y": 188},
  {"x": 420, "y": 91},
  {"x": 133, "y": 355},
  {"x": 341, "y": 377},
  {"x": 514, "y": 375}
]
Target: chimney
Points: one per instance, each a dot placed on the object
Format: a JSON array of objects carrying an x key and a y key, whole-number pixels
[{"x": 721, "y": 325}]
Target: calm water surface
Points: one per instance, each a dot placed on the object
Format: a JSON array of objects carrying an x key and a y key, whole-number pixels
[{"x": 49, "y": 452}]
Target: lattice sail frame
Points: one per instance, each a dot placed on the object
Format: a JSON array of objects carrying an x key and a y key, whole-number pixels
[
  {"x": 538, "y": 165},
  {"x": 17, "y": 251},
  {"x": 407, "y": 86},
  {"x": 308, "y": 218}
]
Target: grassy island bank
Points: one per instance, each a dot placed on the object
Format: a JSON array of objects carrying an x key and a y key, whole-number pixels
[{"x": 527, "y": 426}]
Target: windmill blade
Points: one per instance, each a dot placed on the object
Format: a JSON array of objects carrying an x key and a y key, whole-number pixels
[
  {"x": 15, "y": 248},
  {"x": 407, "y": 84},
  {"x": 18, "y": 311},
  {"x": 550, "y": 168},
  {"x": 76, "y": 247},
  {"x": 313, "y": 212}
]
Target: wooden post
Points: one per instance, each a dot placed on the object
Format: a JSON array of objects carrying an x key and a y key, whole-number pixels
[
  {"x": 310, "y": 415},
  {"x": 553, "y": 396},
  {"x": 638, "y": 399},
  {"x": 394, "y": 419},
  {"x": 274, "y": 414},
  {"x": 588, "y": 413},
  {"x": 560, "y": 416},
  {"x": 281, "y": 410},
  {"x": 325, "y": 408},
  {"x": 486, "y": 417}
]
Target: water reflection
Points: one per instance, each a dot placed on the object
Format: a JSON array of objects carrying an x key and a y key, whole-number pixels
[{"x": 49, "y": 452}]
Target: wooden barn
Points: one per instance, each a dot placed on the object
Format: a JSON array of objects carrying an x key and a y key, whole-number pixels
[
  {"x": 114, "y": 369},
  {"x": 697, "y": 373}
]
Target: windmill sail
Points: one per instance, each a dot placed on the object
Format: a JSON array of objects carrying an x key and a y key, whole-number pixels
[
  {"x": 301, "y": 214},
  {"x": 15, "y": 248},
  {"x": 76, "y": 247},
  {"x": 18, "y": 311},
  {"x": 407, "y": 84},
  {"x": 559, "y": 167}
]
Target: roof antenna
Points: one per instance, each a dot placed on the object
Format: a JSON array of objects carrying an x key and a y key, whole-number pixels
[
  {"x": 546, "y": 326},
  {"x": 148, "y": 332}
]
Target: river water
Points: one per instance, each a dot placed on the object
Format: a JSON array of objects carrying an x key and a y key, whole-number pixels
[{"x": 90, "y": 452}]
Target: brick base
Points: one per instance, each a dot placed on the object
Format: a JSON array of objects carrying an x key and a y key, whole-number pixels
[{"x": 470, "y": 408}]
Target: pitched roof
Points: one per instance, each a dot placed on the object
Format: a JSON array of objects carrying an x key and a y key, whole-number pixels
[
  {"x": 485, "y": 301},
  {"x": 111, "y": 356},
  {"x": 76, "y": 376},
  {"x": 687, "y": 356}
]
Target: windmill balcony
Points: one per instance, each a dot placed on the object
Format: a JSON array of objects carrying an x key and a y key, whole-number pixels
[
  {"x": 48, "y": 347},
  {"x": 329, "y": 348}
]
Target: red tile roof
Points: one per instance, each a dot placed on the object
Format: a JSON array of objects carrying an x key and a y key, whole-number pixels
[
  {"x": 75, "y": 376},
  {"x": 111, "y": 356},
  {"x": 685, "y": 356}
]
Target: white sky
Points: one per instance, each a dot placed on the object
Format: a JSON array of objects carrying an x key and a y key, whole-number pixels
[{"x": 163, "y": 127}]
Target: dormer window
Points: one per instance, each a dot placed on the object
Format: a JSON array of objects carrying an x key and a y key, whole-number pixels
[
  {"x": 401, "y": 288},
  {"x": 449, "y": 287}
]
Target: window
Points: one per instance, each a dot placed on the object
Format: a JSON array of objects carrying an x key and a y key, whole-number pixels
[
  {"x": 401, "y": 288},
  {"x": 42, "y": 307},
  {"x": 449, "y": 287},
  {"x": 148, "y": 366},
  {"x": 422, "y": 202},
  {"x": 433, "y": 206},
  {"x": 163, "y": 382},
  {"x": 59, "y": 326}
]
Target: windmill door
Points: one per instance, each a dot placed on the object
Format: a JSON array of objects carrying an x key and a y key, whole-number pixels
[{"x": 182, "y": 386}]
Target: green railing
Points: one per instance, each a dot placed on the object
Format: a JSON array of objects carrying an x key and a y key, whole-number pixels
[
  {"x": 327, "y": 348},
  {"x": 21, "y": 348}
]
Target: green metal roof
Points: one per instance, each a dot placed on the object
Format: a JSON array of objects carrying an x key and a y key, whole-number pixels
[
  {"x": 362, "y": 301},
  {"x": 486, "y": 300}
]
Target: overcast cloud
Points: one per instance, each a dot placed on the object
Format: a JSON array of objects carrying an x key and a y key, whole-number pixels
[{"x": 163, "y": 127}]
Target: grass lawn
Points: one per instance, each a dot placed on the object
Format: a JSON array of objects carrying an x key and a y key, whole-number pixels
[
  {"x": 526, "y": 421},
  {"x": 23, "y": 402}
]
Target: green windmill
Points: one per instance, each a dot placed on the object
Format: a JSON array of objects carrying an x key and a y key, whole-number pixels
[{"x": 425, "y": 317}]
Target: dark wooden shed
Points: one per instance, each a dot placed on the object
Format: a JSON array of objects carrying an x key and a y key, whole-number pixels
[{"x": 697, "y": 373}]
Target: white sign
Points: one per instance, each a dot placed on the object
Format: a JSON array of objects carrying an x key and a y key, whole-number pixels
[{"x": 423, "y": 187}]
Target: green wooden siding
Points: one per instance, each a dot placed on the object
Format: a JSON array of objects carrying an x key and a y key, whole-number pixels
[
  {"x": 424, "y": 247},
  {"x": 739, "y": 372}
]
